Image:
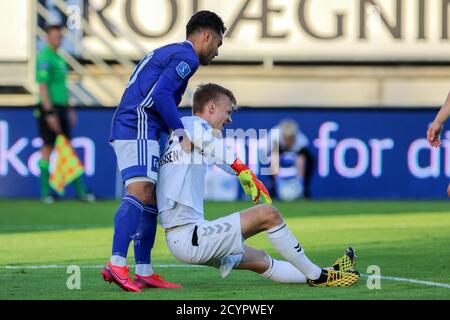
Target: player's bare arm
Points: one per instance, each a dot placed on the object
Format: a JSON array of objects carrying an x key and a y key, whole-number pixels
[{"x": 436, "y": 126}]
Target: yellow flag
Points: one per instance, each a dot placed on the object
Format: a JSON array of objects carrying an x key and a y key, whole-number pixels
[{"x": 67, "y": 167}]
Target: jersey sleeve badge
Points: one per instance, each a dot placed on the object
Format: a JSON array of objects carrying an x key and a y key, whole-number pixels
[{"x": 183, "y": 69}]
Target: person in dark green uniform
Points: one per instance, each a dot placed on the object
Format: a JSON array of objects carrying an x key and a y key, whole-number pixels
[{"x": 53, "y": 112}]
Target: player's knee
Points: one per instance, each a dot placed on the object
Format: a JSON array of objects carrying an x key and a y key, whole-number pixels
[
  {"x": 271, "y": 215},
  {"x": 143, "y": 197},
  {"x": 144, "y": 192}
]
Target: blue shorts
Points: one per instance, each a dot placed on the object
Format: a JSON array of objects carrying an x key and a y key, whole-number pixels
[{"x": 137, "y": 159}]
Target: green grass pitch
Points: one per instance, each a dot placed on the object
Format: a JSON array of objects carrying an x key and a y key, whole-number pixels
[{"x": 406, "y": 239}]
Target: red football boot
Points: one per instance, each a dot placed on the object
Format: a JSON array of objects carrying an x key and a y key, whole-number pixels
[
  {"x": 154, "y": 281},
  {"x": 120, "y": 276}
]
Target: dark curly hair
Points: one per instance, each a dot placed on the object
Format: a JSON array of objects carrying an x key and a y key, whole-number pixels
[{"x": 205, "y": 19}]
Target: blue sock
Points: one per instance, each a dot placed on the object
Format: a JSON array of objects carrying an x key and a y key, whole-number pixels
[
  {"x": 126, "y": 222},
  {"x": 145, "y": 235}
]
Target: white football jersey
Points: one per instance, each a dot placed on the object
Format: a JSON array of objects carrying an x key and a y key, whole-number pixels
[{"x": 182, "y": 175}]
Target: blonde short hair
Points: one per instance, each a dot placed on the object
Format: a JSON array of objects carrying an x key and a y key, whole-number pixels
[
  {"x": 288, "y": 128},
  {"x": 210, "y": 92}
]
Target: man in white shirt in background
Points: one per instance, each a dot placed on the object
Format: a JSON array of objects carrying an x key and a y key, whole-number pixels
[
  {"x": 293, "y": 168},
  {"x": 220, "y": 243}
]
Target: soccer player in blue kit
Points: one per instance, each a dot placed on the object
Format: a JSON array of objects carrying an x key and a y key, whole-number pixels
[{"x": 147, "y": 108}]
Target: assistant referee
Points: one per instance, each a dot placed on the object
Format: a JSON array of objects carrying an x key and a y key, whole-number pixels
[{"x": 53, "y": 113}]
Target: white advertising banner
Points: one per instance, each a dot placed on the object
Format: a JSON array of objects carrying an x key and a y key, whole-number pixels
[
  {"x": 298, "y": 30},
  {"x": 14, "y": 30}
]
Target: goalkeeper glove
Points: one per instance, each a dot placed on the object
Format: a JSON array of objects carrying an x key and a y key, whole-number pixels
[{"x": 250, "y": 183}]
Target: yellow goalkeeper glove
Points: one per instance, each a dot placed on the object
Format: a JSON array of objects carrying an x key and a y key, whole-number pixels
[{"x": 251, "y": 185}]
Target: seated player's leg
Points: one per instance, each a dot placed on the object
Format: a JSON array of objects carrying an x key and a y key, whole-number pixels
[
  {"x": 267, "y": 218},
  {"x": 345, "y": 262},
  {"x": 219, "y": 243},
  {"x": 268, "y": 267},
  {"x": 262, "y": 263},
  {"x": 199, "y": 243}
]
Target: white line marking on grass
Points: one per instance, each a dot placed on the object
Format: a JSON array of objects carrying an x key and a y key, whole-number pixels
[
  {"x": 56, "y": 266},
  {"x": 426, "y": 283}
]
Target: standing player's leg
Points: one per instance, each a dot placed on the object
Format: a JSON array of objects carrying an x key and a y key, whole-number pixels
[
  {"x": 135, "y": 218},
  {"x": 128, "y": 225},
  {"x": 133, "y": 168},
  {"x": 126, "y": 222},
  {"x": 144, "y": 237},
  {"x": 128, "y": 217},
  {"x": 267, "y": 218}
]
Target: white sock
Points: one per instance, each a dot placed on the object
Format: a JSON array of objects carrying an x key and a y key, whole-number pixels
[
  {"x": 282, "y": 271},
  {"x": 288, "y": 246},
  {"x": 144, "y": 270},
  {"x": 118, "y": 261}
]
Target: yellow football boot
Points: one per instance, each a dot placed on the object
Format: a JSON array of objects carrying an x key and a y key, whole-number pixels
[
  {"x": 333, "y": 278},
  {"x": 346, "y": 262}
]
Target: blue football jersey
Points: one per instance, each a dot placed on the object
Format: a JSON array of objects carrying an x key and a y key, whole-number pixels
[{"x": 157, "y": 84}]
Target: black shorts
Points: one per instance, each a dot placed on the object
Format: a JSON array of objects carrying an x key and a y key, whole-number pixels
[{"x": 48, "y": 135}]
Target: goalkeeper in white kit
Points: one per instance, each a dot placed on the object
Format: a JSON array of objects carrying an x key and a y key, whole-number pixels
[{"x": 220, "y": 243}]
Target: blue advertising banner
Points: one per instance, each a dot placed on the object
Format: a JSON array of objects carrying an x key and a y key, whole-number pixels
[
  {"x": 358, "y": 153},
  {"x": 366, "y": 153},
  {"x": 20, "y": 144}
]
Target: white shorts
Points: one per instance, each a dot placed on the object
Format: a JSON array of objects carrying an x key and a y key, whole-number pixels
[
  {"x": 212, "y": 243},
  {"x": 137, "y": 158}
]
